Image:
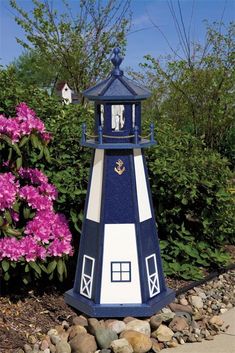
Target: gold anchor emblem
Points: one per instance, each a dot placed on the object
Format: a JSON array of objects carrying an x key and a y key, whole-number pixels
[{"x": 119, "y": 167}]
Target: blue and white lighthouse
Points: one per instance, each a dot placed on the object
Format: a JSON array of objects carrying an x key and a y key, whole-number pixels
[{"x": 119, "y": 269}]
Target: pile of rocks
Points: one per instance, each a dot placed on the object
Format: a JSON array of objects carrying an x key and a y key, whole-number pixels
[{"x": 191, "y": 318}]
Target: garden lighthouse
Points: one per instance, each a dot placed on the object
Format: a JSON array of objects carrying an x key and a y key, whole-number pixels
[{"x": 119, "y": 269}]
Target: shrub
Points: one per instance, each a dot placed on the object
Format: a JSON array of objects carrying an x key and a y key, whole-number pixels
[
  {"x": 33, "y": 238},
  {"x": 194, "y": 207}
]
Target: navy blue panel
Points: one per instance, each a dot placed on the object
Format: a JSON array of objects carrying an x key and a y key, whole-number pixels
[
  {"x": 118, "y": 189},
  {"x": 149, "y": 246},
  {"x": 90, "y": 245},
  {"x": 107, "y": 119}
]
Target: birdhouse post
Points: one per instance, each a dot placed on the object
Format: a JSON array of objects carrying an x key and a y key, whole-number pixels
[{"x": 119, "y": 269}]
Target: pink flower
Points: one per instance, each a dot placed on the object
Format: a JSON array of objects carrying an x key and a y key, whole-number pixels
[
  {"x": 8, "y": 190},
  {"x": 32, "y": 196}
]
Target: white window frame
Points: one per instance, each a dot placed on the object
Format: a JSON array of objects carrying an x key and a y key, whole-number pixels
[
  {"x": 153, "y": 279},
  {"x": 87, "y": 280}
]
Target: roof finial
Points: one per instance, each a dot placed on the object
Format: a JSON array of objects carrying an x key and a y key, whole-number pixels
[{"x": 116, "y": 60}]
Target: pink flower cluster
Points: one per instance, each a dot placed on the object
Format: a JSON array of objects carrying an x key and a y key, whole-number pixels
[
  {"x": 47, "y": 234},
  {"x": 23, "y": 124},
  {"x": 9, "y": 188}
]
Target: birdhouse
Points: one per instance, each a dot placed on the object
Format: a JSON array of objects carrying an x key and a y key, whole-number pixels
[{"x": 119, "y": 269}]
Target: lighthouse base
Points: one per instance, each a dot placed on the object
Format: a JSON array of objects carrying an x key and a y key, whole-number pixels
[{"x": 92, "y": 309}]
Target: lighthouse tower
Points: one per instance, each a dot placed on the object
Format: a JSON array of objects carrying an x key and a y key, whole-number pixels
[{"x": 119, "y": 269}]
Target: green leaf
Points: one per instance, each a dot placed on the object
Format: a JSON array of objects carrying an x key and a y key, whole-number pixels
[
  {"x": 23, "y": 141},
  {"x": 47, "y": 154},
  {"x": 8, "y": 217},
  {"x": 35, "y": 267},
  {"x": 5, "y": 265},
  {"x": 60, "y": 267},
  {"x": 51, "y": 266},
  {"x": 19, "y": 163},
  {"x": 1, "y": 221},
  {"x": 6, "y": 276},
  {"x": 26, "y": 212},
  {"x": 43, "y": 267}
]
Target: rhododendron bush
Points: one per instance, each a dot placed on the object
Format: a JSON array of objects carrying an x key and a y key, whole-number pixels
[{"x": 33, "y": 237}]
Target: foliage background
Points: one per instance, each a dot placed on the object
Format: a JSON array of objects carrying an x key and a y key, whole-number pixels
[{"x": 192, "y": 167}]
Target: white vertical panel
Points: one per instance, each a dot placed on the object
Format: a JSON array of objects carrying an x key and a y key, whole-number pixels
[
  {"x": 153, "y": 279},
  {"x": 120, "y": 245},
  {"x": 94, "y": 203},
  {"x": 141, "y": 185}
]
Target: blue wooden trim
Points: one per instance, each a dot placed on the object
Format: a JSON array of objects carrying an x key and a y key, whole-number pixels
[
  {"x": 116, "y": 98},
  {"x": 101, "y": 237},
  {"x": 81, "y": 245},
  {"x": 137, "y": 228},
  {"x": 118, "y": 146},
  {"x": 119, "y": 310},
  {"x": 159, "y": 259}
]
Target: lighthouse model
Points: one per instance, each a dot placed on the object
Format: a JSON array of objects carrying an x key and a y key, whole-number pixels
[{"x": 119, "y": 270}]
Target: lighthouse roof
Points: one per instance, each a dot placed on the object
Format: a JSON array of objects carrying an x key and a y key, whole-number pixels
[{"x": 117, "y": 87}]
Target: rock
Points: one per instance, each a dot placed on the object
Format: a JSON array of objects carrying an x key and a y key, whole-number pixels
[
  {"x": 52, "y": 348},
  {"x": 178, "y": 307},
  {"x": 191, "y": 338},
  {"x": 121, "y": 346},
  {"x": 196, "y": 301},
  {"x": 209, "y": 338},
  {"x": 216, "y": 320},
  {"x": 183, "y": 301},
  {"x": 28, "y": 348},
  {"x": 76, "y": 330},
  {"x": 139, "y": 342},
  {"x": 55, "y": 339},
  {"x": 155, "y": 322},
  {"x": 139, "y": 326},
  {"x": 163, "y": 333},
  {"x": 156, "y": 346},
  {"x": 172, "y": 344},
  {"x": 32, "y": 339},
  {"x": 105, "y": 351},
  {"x": 117, "y": 326},
  {"x": 166, "y": 310},
  {"x": 53, "y": 332},
  {"x": 35, "y": 348},
  {"x": 80, "y": 320},
  {"x": 185, "y": 315},
  {"x": 165, "y": 317},
  {"x": 63, "y": 347},
  {"x": 181, "y": 341},
  {"x": 44, "y": 345},
  {"x": 128, "y": 319},
  {"x": 178, "y": 324},
  {"x": 65, "y": 325},
  {"x": 104, "y": 337},
  {"x": 93, "y": 325},
  {"x": 223, "y": 310},
  {"x": 47, "y": 350},
  {"x": 83, "y": 343}
]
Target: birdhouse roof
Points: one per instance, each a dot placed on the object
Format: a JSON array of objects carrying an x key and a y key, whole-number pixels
[{"x": 117, "y": 87}]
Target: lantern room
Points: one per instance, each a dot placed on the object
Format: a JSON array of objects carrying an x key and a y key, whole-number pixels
[{"x": 117, "y": 111}]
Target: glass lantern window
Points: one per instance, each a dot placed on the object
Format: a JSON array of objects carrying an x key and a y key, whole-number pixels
[{"x": 118, "y": 117}]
